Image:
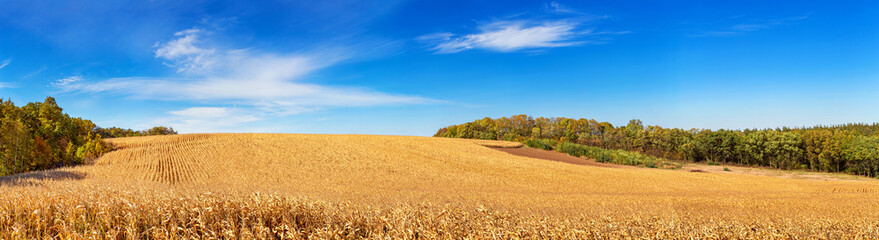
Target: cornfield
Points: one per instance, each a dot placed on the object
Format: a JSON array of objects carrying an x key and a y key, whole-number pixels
[{"x": 289, "y": 186}]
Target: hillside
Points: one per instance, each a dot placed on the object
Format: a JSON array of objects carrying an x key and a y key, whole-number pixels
[
  {"x": 439, "y": 174},
  {"x": 39, "y": 136}
]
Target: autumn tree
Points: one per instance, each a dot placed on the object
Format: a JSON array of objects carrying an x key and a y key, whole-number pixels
[{"x": 838, "y": 148}]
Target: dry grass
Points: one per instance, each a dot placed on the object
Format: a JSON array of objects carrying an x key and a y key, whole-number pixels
[{"x": 353, "y": 186}]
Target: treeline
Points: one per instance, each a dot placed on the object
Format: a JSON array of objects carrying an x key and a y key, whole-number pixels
[
  {"x": 849, "y": 148},
  {"x": 115, "y": 132},
  {"x": 40, "y": 136}
]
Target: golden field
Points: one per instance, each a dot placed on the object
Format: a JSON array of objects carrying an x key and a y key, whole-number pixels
[{"x": 358, "y": 186}]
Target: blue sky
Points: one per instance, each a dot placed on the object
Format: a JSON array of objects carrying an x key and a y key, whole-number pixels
[{"x": 411, "y": 67}]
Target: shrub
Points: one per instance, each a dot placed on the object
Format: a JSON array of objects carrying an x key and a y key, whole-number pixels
[
  {"x": 603, "y": 157},
  {"x": 540, "y": 144},
  {"x": 614, "y": 156},
  {"x": 572, "y": 149},
  {"x": 601, "y": 154},
  {"x": 488, "y": 136}
]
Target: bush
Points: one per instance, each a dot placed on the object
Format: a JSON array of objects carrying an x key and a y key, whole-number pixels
[
  {"x": 488, "y": 136},
  {"x": 604, "y": 157},
  {"x": 91, "y": 150},
  {"x": 540, "y": 144},
  {"x": 572, "y": 149},
  {"x": 613, "y": 156},
  {"x": 509, "y": 137}
]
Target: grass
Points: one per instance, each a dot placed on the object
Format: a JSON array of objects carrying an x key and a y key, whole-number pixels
[{"x": 379, "y": 187}]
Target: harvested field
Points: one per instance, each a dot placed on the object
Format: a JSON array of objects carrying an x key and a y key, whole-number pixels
[{"x": 357, "y": 186}]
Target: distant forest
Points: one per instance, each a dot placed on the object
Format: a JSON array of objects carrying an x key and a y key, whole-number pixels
[
  {"x": 850, "y": 148},
  {"x": 40, "y": 136}
]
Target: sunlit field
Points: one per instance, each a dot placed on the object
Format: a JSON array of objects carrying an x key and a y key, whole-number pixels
[{"x": 356, "y": 186}]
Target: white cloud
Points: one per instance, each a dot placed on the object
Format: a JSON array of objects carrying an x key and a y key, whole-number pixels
[
  {"x": 4, "y": 63},
  {"x": 555, "y": 26},
  {"x": 260, "y": 83},
  {"x": 66, "y": 81},
  {"x": 240, "y": 75},
  {"x": 507, "y": 36},
  {"x": 282, "y": 94},
  {"x": 208, "y": 112},
  {"x": 208, "y": 119},
  {"x": 183, "y": 54}
]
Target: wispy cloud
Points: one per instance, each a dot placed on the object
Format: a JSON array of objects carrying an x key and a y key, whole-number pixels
[
  {"x": 4, "y": 63},
  {"x": 555, "y": 7},
  {"x": 64, "y": 82},
  {"x": 209, "y": 119},
  {"x": 183, "y": 54},
  {"x": 508, "y": 35},
  {"x": 261, "y": 83},
  {"x": 749, "y": 26},
  {"x": 35, "y": 72}
]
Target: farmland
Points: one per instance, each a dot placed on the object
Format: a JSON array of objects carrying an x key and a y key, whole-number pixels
[{"x": 352, "y": 186}]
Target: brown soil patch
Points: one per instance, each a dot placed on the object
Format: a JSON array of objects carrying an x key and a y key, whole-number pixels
[{"x": 555, "y": 156}]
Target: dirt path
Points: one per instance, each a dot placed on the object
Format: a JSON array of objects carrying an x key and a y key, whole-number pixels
[{"x": 556, "y": 156}]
